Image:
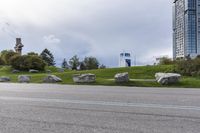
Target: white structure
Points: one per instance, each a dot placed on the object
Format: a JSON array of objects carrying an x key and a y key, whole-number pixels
[{"x": 125, "y": 60}]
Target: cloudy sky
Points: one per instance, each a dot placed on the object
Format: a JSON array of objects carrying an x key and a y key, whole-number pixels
[{"x": 100, "y": 28}]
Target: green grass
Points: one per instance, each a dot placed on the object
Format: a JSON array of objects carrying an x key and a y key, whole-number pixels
[{"x": 104, "y": 76}]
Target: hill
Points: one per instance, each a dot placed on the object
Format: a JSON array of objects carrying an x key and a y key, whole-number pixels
[{"x": 105, "y": 76}]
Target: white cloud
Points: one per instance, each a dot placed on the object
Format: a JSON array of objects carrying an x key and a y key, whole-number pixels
[{"x": 51, "y": 39}]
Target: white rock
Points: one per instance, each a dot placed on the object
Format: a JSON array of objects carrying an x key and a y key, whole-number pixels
[
  {"x": 24, "y": 78},
  {"x": 52, "y": 79},
  {"x": 122, "y": 77},
  {"x": 167, "y": 78},
  {"x": 84, "y": 78}
]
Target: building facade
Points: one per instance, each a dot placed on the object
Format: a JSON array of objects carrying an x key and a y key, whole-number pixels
[
  {"x": 186, "y": 28},
  {"x": 125, "y": 60}
]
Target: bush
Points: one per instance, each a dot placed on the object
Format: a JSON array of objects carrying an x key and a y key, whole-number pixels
[
  {"x": 27, "y": 62},
  {"x": 6, "y": 56},
  {"x": 2, "y": 61},
  {"x": 165, "y": 61},
  {"x": 188, "y": 66}
]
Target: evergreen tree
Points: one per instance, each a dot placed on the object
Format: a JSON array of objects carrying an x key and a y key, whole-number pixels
[
  {"x": 65, "y": 64},
  {"x": 48, "y": 57}
]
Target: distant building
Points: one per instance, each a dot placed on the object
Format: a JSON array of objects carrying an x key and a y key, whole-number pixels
[
  {"x": 18, "y": 46},
  {"x": 186, "y": 28},
  {"x": 125, "y": 60}
]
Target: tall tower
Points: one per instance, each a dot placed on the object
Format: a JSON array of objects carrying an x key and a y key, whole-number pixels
[
  {"x": 186, "y": 28},
  {"x": 125, "y": 60},
  {"x": 18, "y": 46}
]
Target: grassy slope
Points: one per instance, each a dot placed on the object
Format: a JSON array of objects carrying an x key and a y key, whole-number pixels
[{"x": 103, "y": 76}]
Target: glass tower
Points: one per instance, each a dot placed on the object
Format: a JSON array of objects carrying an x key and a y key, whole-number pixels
[{"x": 186, "y": 28}]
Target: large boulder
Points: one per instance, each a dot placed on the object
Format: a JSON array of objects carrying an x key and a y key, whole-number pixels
[
  {"x": 167, "y": 78},
  {"x": 84, "y": 78},
  {"x": 4, "y": 79},
  {"x": 24, "y": 78},
  {"x": 122, "y": 77},
  {"x": 33, "y": 71},
  {"x": 52, "y": 79}
]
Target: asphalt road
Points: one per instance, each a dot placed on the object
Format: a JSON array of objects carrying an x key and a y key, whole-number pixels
[{"x": 34, "y": 108}]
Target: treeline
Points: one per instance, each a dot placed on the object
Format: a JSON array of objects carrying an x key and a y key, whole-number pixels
[
  {"x": 28, "y": 61},
  {"x": 37, "y": 61},
  {"x": 186, "y": 66},
  {"x": 88, "y": 63}
]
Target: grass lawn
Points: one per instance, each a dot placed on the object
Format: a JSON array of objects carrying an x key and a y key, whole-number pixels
[{"x": 104, "y": 76}]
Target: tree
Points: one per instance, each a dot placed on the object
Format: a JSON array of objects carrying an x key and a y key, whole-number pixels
[
  {"x": 82, "y": 66},
  {"x": 65, "y": 64},
  {"x": 48, "y": 57},
  {"x": 102, "y": 66},
  {"x": 91, "y": 63},
  {"x": 6, "y": 55},
  {"x": 32, "y": 54},
  {"x": 74, "y": 62}
]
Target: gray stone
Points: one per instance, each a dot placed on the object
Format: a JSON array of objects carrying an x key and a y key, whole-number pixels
[
  {"x": 15, "y": 71},
  {"x": 122, "y": 77},
  {"x": 4, "y": 79},
  {"x": 52, "y": 79},
  {"x": 167, "y": 78},
  {"x": 33, "y": 71},
  {"x": 24, "y": 78},
  {"x": 84, "y": 78}
]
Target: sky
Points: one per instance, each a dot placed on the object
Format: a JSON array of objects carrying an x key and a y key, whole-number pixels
[{"x": 99, "y": 28}]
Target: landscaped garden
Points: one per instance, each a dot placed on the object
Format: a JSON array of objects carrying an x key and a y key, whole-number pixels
[{"x": 105, "y": 76}]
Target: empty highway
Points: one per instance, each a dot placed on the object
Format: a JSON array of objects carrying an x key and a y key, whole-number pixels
[{"x": 47, "y": 108}]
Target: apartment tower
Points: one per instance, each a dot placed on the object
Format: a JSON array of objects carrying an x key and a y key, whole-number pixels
[{"x": 186, "y": 28}]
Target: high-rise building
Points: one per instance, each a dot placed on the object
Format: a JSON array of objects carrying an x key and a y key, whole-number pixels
[{"x": 186, "y": 28}]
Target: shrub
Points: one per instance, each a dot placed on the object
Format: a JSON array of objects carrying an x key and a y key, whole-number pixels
[
  {"x": 6, "y": 56},
  {"x": 27, "y": 62},
  {"x": 165, "y": 61},
  {"x": 2, "y": 61},
  {"x": 188, "y": 66}
]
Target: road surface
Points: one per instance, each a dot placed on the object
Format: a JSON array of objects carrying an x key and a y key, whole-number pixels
[{"x": 43, "y": 108}]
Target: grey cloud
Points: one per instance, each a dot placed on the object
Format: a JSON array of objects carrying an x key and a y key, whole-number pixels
[{"x": 105, "y": 28}]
